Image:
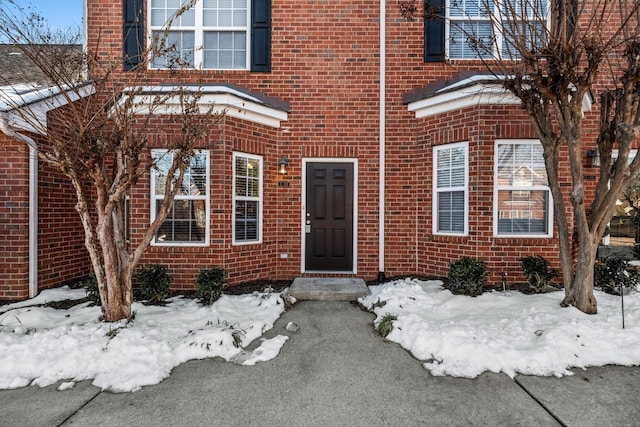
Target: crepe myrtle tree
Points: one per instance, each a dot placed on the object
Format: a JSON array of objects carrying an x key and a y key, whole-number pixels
[
  {"x": 551, "y": 54},
  {"x": 97, "y": 138}
]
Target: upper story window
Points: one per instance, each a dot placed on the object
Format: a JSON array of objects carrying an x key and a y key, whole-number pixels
[
  {"x": 483, "y": 29},
  {"x": 213, "y": 34},
  {"x": 523, "y": 205},
  {"x": 188, "y": 218},
  {"x": 450, "y": 199}
]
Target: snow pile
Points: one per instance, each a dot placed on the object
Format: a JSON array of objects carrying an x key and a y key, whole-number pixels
[
  {"x": 42, "y": 345},
  {"x": 505, "y": 332}
]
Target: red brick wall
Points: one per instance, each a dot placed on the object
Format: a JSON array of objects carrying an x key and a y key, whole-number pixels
[
  {"x": 325, "y": 62},
  {"x": 480, "y": 127},
  {"x": 14, "y": 219},
  {"x": 62, "y": 256}
]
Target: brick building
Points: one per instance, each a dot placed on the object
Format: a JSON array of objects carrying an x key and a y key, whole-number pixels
[{"x": 400, "y": 154}]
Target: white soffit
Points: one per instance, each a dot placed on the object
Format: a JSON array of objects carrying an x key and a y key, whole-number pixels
[
  {"x": 222, "y": 99},
  {"x": 470, "y": 92},
  {"x": 27, "y": 109},
  {"x": 468, "y": 96}
]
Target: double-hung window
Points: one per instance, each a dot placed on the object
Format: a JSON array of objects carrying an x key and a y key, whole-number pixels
[
  {"x": 188, "y": 219},
  {"x": 247, "y": 198},
  {"x": 488, "y": 29},
  {"x": 522, "y": 198},
  {"x": 213, "y": 34},
  {"x": 450, "y": 201}
]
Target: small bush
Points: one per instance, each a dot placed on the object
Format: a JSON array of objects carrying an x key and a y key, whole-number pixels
[
  {"x": 90, "y": 285},
  {"x": 612, "y": 273},
  {"x": 385, "y": 326},
  {"x": 211, "y": 283},
  {"x": 539, "y": 275},
  {"x": 154, "y": 283},
  {"x": 467, "y": 276}
]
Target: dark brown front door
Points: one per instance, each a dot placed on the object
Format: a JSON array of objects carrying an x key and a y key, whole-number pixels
[{"x": 329, "y": 217}]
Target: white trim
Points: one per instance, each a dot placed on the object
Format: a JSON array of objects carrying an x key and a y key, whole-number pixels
[
  {"x": 206, "y": 198},
  {"x": 477, "y": 94},
  {"x": 221, "y": 99},
  {"x": 33, "y": 201},
  {"x": 303, "y": 211},
  {"x": 234, "y": 198},
  {"x": 465, "y": 188},
  {"x": 497, "y": 188},
  {"x": 475, "y": 90},
  {"x": 37, "y": 103}
]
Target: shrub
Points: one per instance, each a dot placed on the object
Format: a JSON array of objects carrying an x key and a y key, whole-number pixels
[
  {"x": 90, "y": 285},
  {"x": 154, "y": 283},
  {"x": 539, "y": 275},
  {"x": 467, "y": 276},
  {"x": 612, "y": 273},
  {"x": 385, "y": 326},
  {"x": 211, "y": 283}
]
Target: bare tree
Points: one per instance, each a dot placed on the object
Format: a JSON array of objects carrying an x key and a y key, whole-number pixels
[
  {"x": 551, "y": 54},
  {"x": 97, "y": 137}
]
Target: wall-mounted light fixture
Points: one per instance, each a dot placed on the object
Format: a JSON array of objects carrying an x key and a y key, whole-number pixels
[
  {"x": 283, "y": 166},
  {"x": 594, "y": 155}
]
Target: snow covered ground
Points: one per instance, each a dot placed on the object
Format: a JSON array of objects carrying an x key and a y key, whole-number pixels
[
  {"x": 453, "y": 335},
  {"x": 506, "y": 332},
  {"x": 42, "y": 345}
]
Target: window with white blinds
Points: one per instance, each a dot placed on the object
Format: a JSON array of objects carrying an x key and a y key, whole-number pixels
[
  {"x": 450, "y": 201},
  {"x": 481, "y": 29},
  {"x": 188, "y": 220},
  {"x": 522, "y": 196},
  {"x": 247, "y": 198}
]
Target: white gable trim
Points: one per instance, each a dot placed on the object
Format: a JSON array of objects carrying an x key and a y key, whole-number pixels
[
  {"x": 223, "y": 99},
  {"x": 471, "y": 93},
  {"x": 28, "y": 110},
  {"x": 477, "y": 94}
]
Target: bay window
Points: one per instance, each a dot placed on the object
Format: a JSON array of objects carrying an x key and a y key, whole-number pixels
[
  {"x": 188, "y": 219},
  {"x": 523, "y": 205},
  {"x": 247, "y": 198},
  {"x": 450, "y": 200}
]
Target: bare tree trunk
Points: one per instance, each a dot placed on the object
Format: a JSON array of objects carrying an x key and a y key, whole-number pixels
[
  {"x": 117, "y": 305},
  {"x": 581, "y": 293}
]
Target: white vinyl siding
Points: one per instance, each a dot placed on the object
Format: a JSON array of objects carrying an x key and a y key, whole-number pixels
[
  {"x": 450, "y": 181},
  {"x": 523, "y": 205},
  {"x": 188, "y": 220}
]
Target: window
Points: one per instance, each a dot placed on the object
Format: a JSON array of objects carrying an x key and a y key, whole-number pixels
[
  {"x": 213, "y": 34},
  {"x": 523, "y": 199},
  {"x": 480, "y": 29},
  {"x": 450, "y": 189},
  {"x": 247, "y": 198},
  {"x": 188, "y": 219}
]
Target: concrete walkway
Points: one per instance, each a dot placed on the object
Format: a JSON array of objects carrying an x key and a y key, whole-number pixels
[{"x": 335, "y": 371}]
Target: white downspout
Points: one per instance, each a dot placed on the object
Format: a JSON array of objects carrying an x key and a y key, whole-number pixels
[
  {"x": 382, "y": 120},
  {"x": 33, "y": 202}
]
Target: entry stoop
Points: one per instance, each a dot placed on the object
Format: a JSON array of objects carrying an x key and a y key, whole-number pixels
[{"x": 328, "y": 289}]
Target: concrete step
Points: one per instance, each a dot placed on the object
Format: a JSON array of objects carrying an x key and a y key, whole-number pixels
[{"x": 328, "y": 289}]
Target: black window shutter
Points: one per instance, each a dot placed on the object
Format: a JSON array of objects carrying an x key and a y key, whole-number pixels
[
  {"x": 260, "y": 35},
  {"x": 132, "y": 33},
  {"x": 434, "y": 31}
]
